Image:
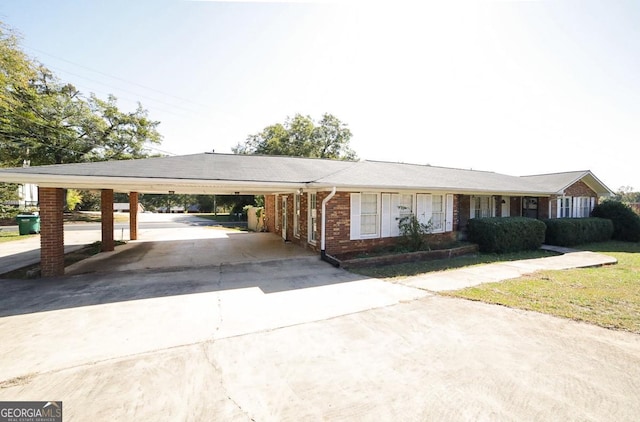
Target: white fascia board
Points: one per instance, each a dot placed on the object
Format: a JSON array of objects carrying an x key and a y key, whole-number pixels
[
  {"x": 393, "y": 188},
  {"x": 148, "y": 185}
]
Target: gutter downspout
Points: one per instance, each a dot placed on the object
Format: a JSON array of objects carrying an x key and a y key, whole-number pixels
[{"x": 323, "y": 253}]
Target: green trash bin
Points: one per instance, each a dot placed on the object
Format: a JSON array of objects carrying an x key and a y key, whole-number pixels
[{"x": 28, "y": 224}]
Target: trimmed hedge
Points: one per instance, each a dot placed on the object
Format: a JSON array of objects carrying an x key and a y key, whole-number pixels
[
  {"x": 506, "y": 234},
  {"x": 626, "y": 223},
  {"x": 575, "y": 231}
]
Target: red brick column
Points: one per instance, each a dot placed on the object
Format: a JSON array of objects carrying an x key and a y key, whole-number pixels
[
  {"x": 106, "y": 208},
  {"x": 51, "y": 232},
  {"x": 133, "y": 215}
]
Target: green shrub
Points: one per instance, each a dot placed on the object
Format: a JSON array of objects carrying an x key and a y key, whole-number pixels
[
  {"x": 503, "y": 235},
  {"x": 413, "y": 233},
  {"x": 575, "y": 231},
  {"x": 626, "y": 223},
  {"x": 8, "y": 212}
]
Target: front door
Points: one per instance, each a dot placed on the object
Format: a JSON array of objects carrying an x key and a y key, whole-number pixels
[
  {"x": 284, "y": 217},
  {"x": 530, "y": 207}
]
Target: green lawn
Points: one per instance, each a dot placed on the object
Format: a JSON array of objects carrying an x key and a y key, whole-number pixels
[
  {"x": 6, "y": 236},
  {"x": 607, "y": 296},
  {"x": 398, "y": 271}
]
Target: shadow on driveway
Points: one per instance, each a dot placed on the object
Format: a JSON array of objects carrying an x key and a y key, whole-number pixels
[{"x": 31, "y": 296}]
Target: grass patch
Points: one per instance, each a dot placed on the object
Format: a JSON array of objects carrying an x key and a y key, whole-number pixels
[
  {"x": 606, "y": 296},
  {"x": 398, "y": 271},
  {"x": 93, "y": 217},
  {"x": 6, "y": 236},
  {"x": 221, "y": 218}
]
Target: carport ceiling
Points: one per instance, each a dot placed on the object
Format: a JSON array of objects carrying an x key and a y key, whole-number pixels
[{"x": 188, "y": 174}]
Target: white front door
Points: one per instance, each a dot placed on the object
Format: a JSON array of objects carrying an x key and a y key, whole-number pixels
[{"x": 284, "y": 217}]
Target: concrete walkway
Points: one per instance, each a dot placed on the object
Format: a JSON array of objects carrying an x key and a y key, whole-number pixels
[{"x": 488, "y": 273}]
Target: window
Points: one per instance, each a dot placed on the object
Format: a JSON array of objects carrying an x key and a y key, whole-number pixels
[
  {"x": 565, "y": 207},
  {"x": 481, "y": 207},
  {"x": 296, "y": 215},
  {"x": 437, "y": 213},
  {"x": 405, "y": 206},
  {"x": 583, "y": 205},
  {"x": 369, "y": 214},
  {"x": 313, "y": 217}
]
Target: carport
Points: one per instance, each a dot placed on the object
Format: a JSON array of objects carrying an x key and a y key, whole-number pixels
[{"x": 190, "y": 174}]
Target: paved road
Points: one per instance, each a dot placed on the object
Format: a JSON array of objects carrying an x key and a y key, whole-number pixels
[
  {"x": 146, "y": 221},
  {"x": 297, "y": 339}
]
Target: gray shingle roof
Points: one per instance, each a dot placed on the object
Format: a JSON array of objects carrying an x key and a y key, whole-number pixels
[
  {"x": 207, "y": 172},
  {"x": 558, "y": 182},
  {"x": 201, "y": 167},
  {"x": 375, "y": 174}
]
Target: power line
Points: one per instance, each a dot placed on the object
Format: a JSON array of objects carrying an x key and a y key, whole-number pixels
[{"x": 116, "y": 77}]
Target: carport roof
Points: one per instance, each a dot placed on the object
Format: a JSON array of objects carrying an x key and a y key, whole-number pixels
[{"x": 209, "y": 173}]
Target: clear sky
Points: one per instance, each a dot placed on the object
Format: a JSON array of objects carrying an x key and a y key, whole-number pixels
[{"x": 520, "y": 88}]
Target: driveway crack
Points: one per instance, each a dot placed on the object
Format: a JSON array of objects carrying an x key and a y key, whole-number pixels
[
  {"x": 219, "y": 298},
  {"x": 218, "y": 370}
]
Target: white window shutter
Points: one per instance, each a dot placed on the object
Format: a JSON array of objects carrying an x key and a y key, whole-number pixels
[
  {"x": 472, "y": 206},
  {"x": 423, "y": 208},
  {"x": 448, "y": 225},
  {"x": 395, "y": 215},
  {"x": 592, "y": 205},
  {"x": 355, "y": 216},
  {"x": 559, "y": 210},
  {"x": 386, "y": 217},
  {"x": 576, "y": 205}
]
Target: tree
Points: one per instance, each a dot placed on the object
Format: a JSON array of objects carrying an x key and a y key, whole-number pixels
[
  {"x": 627, "y": 195},
  {"x": 300, "y": 136},
  {"x": 46, "y": 121}
]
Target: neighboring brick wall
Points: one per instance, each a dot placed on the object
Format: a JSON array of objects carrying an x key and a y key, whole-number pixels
[
  {"x": 51, "y": 232},
  {"x": 106, "y": 209}
]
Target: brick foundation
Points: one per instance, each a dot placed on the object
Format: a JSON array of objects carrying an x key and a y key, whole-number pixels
[{"x": 51, "y": 232}]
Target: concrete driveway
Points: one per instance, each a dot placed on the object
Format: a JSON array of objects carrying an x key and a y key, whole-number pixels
[{"x": 296, "y": 339}]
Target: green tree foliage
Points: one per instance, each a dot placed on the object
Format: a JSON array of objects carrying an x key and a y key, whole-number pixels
[
  {"x": 626, "y": 223},
  {"x": 300, "y": 136},
  {"x": 74, "y": 198},
  {"x": 627, "y": 195},
  {"x": 46, "y": 121}
]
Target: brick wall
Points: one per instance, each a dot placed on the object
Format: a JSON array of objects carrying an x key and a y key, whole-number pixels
[
  {"x": 464, "y": 210},
  {"x": 269, "y": 212},
  {"x": 133, "y": 215},
  {"x": 106, "y": 209},
  {"x": 51, "y": 232},
  {"x": 579, "y": 189}
]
